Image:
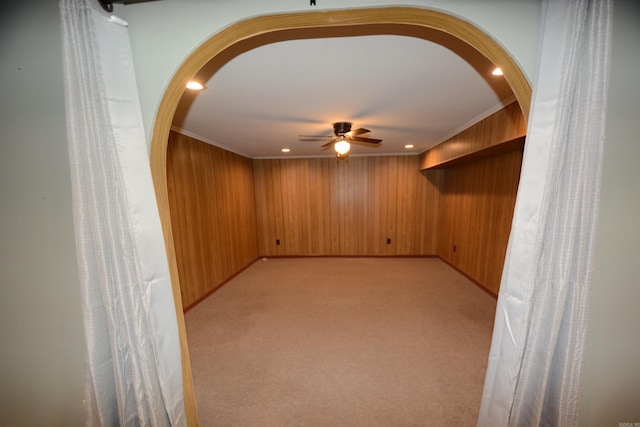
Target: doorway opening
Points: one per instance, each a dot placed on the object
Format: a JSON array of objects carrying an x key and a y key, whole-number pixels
[{"x": 258, "y": 31}]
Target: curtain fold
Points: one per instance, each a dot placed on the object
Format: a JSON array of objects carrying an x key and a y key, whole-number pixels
[
  {"x": 133, "y": 367},
  {"x": 538, "y": 349}
]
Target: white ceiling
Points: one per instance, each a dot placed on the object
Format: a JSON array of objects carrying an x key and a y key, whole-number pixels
[{"x": 406, "y": 90}]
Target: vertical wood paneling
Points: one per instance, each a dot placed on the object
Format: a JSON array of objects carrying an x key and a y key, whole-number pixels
[
  {"x": 332, "y": 207},
  {"x": 227, "y": 210},
  {"x": 428, "y": 210},
  {"x": 476, "y": 209},
  {"x": 376, "y": 207},
  {"x": 405, "y": 209},
  {"x": 213, "y": 205},
  {"x": 392, "y": 204}
]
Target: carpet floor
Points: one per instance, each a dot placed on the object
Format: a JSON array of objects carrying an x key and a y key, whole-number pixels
[{"x": 341, "y": 342}]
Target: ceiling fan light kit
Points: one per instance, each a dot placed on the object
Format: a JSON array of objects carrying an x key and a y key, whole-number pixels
[{"x": 342, "y": 147}]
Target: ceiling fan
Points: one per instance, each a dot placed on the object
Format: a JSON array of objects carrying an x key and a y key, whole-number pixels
[{"x": 343, "y": 138}]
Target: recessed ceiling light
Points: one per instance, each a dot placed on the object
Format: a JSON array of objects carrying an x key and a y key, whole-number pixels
[
  {"x": 286, "y": 150},
  {"x": 497, "y": 71},
  {"x": 408, "y": 146},
  {"x": 193, "y": 85}
]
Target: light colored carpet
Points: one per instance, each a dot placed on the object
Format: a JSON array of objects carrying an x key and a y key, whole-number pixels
[{"x": 341, "y": 342}]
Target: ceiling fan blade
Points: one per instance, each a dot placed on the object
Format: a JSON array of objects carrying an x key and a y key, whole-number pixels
[
  {"x": 314, "y": 137},
  {"x": 328, "y": 144},
  {"x": 358, "y": 131},
  {"x": 365, "y": 140},
  {"x": 366, "y": 144}
]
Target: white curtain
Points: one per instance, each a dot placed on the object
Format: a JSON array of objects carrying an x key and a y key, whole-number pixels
[
  {"x": 133, "y": 368},
  {"x": 537, "y": 355}
]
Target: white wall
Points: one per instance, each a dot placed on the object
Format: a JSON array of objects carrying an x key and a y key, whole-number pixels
[
  {"x": 164, "y": 33},
  {"x": 41, "y": 338},
  {"x": 612, "y": 378}
]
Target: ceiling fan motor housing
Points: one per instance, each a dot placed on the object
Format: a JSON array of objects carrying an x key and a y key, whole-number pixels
[{"x": 341, "y": 128}]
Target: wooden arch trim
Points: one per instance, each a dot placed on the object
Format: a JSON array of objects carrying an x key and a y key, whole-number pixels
[{"x": 257, "y": 31}]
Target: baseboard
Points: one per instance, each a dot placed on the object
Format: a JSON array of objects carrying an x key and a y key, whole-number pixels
[
  {"x": 349, "y": 256},
  {"x": 212, "y": 291},
  {"x": 227, "y": 280},
  {"x": 474, "y": 281}
]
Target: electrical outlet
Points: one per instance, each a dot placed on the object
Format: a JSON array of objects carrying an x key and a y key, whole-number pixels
[{"x": 277, "y": 242}]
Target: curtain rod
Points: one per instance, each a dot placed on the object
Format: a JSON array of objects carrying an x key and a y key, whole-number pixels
[{"x": 107, "y": 5}]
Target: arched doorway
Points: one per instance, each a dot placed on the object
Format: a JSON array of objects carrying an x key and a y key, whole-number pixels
[{"x": 254, "y": 32}]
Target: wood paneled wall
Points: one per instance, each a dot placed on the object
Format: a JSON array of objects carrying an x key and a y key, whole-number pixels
[
  {"x": 213, "y": 214},
  {"x": 476, "y": 209},
  {"x": 322, "y": 206},
  {"x": 227, "y": 210}
]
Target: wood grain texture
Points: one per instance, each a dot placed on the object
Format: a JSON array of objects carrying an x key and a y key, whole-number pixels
[
  {"x": 261, "y": 30},
  {"x": 476, "y": 209},
  {"x": 213, "y": 217},
  {"x": 322, "y": 206},
  {"x": 488, "y": 135}
]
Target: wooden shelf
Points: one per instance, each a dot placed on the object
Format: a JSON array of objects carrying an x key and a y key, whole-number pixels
[
  {"x": 516, "y": 144},
  {"x": 500, "y": 133}
]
